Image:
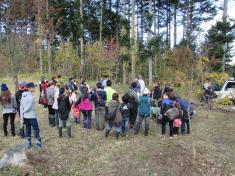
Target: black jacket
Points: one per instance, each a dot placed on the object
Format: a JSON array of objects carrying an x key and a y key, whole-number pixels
[{"x": 18, "y": 96}]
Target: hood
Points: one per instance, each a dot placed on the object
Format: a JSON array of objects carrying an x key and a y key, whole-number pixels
[{"x": 26, "y": 93}]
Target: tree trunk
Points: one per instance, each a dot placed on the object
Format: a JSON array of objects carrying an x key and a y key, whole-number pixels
[
  {"x": 141, "y": 20},
  {"x": 40, "y": 58},
  {"x": 49, "y": 56},
  {"x": 81, "y": 40},
  {"x": 11, "y": 51},
  {"x": 175, "y": 25},
  {"x": 225, "y": 15},
  {"x": 133, "y": 40},
  {"x": 101, "y": 19},
  {"x": 124, "y": 75},
  {"x": 150, "y": 59}
]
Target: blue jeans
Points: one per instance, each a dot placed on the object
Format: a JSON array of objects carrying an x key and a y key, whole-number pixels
[
  {"x": 116, "y": 125},
  {"x": 140, "y": 120},
  {"x": 86, "y": 119},
  {"x": 56, "y": 118},
  {"x": 125, "y": 123},
  {"x": 31, "y": 123}
]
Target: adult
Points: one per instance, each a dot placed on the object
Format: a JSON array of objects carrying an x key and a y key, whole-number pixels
[
  {"x": 55, "y": 104},
  {"x": 18, "y": 95},
  {"x": 64, "y": 108},
  {"x": 167, "y": 104},
  {"x": 70, "y": 84},
  {"x": 8, "y": 101},
  {"x": 50, "y": 92},
  {"x": 187, "y": 108},
  {"x": 133, "y": 101},
  {"x": 109, "y": 93},
  {"x": 28, "y": 115},
  {"x": 104, "y": 82},
  {"x": 114, "y": 107},
  {"x": 99, "y": 97},
  {"x": 156, "y": 93},
  {"x": 142, "y": 84}
]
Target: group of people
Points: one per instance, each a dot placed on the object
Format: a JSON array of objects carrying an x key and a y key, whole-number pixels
[{"x": 137, "y": 104}]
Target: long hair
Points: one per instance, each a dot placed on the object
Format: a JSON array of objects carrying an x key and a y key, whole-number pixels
[{"x": 5, "y": 97}]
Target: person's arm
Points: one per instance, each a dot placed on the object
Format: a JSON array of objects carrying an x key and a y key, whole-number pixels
[{"x": 68, "y": 103}]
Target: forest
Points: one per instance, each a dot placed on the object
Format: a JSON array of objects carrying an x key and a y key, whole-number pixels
[{"x": 109, "y": 37}]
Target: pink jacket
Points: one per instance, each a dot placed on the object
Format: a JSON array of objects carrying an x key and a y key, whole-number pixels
[
  {"x": 86, "y": 105},
  {"x": 76, "y": 111}
]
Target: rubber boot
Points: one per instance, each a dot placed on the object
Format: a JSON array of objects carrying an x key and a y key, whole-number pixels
[
  {"x": 146, "y": 133},
  {"x": 117, "y": 135},
  {"x": 60, "y": 131},
  {"x": 107, "y": 133},
  {"x": 69, "y": 132},
  {"x": 28, "y": 143},
  {"x": 38, "y": 143}
]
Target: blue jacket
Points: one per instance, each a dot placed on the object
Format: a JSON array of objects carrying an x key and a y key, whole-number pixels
[
  {"x": 144, "y": 106},
  {"x": 184, "y": 104},
  {"x": 166, "y": 105},
  {"x": 27, "y": 106},
  {"x": 102, "y": 94}
]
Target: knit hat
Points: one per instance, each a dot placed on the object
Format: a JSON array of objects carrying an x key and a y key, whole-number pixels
[
  {"x": 22, "y": 85},
  {"x": 4, "y": 87},
  {"x": 146, "y": 91},
  {"x": 30, "y": 85}
]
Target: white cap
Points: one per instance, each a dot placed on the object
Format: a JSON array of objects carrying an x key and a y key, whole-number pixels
[{"x": 146, "y": 91}]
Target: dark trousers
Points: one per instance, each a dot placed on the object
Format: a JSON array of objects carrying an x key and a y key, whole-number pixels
[
  {"x": 51, "y": 110},
  {"x": 31, "y": 123},
  {"x": 176, "y": 130},
  {"x": 12, "y": 122},
  {"x": 166, "y": 120},
  {"x": 185, "y": 127},
  {"x": 133, "y": 116}
]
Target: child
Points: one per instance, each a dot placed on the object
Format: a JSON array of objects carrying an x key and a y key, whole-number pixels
[
  {"x": 85, "y": 106},
  {"x": 144, "y": 111},
  {"x": 64, "y": 108},
  {"x": 75, "y": 108},
  {"x": 125, "y": 111},
  {"x": 76, "y": 113},
  {"x": 28, "y": 116},
  {"x": 114, "y": 107},
  {"x": 177, "y": 125}
]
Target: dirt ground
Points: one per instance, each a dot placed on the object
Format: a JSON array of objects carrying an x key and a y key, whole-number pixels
[{"x": 209, "y": 150}]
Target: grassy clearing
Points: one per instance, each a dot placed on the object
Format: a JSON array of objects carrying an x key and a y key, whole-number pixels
[
  {"x": 209, "y": 151},
  {"x": 88, "y": 153}
]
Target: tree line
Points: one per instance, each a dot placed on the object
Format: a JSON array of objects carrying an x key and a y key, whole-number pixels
[{"x": 120, "y": 38}]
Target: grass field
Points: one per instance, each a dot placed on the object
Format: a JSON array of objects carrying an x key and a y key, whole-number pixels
[{"x": 208, "y": 151}]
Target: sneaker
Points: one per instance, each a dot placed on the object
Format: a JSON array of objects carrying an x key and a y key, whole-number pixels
[
  {"x": 38, "y": 145},
  {"x": 28, "y": 144}
]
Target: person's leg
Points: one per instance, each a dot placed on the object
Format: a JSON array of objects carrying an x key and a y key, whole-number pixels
[
  {"x": 146, "y": 119},
  {"x": 118, "y": 129},
  {"x": 5, "y": 122},
  {"x": 102, "y": 118},
  {"x": 89, "y": 113},
  {"x": 37, "y": 139},
  {"x": 164, "y": 122},
  {"x": 138, "y": 125},
  {"x": 108, "y": 128},
  {"x": 12, "y": 120},
  {"x": 61, "y": 123},
  {"x": 97, "y": 118},
  {"x": 68, "y": 127},
  {"x": 188, "y": 126},
  {"x": 28, "y": 143},
  {"x": 171, "y": 125},
  {"x": 56, "y": 118},
  {"x": 126, "y": 126},
  {"x": 52, "y": 116},
  {"x": 84, "y": 120}
]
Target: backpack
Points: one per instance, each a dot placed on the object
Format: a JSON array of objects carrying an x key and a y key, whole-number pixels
[
  {"x": 100, "y": 100},
  {"x": 125, "y": 110},
  {"x": 144, "y": 106},
  {"x": 63, "y": 109},
  {"x": 43, "y": 99}
]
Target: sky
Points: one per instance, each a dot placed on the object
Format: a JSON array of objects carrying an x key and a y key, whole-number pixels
[{"x": 231, "y": 14}]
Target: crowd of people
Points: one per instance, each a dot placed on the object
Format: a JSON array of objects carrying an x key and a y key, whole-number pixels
[{"x": 77, "y": 100}]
